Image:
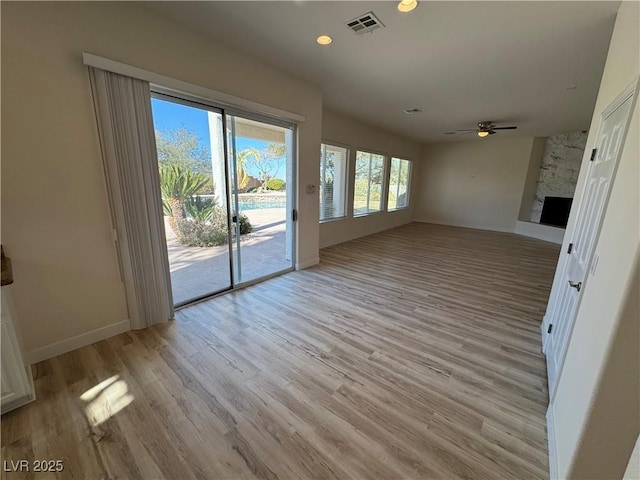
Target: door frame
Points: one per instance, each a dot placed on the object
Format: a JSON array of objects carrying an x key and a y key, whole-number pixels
[
  {"x": 631, "y": 91},
  {"x": 291, "y": 189},
  {"x": 167, "y": 94}
]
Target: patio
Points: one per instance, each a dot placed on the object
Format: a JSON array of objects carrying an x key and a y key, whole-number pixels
[{"x": 197, "y": 271}]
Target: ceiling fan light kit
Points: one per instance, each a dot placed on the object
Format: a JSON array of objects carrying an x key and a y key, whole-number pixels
[{"x": 484, "y": 129}]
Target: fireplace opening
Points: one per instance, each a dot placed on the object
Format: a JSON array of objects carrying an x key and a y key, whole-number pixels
[{"x": 555, "y": 211}]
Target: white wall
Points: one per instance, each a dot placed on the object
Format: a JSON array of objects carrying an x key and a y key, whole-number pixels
[
  {"x": 345, "y": 131},
  {"x": 55, "y": 219},
  {"x": 596, "y": 404},
  {"x": 476, "y": 184},
  {"x": 633, "y": 468}
]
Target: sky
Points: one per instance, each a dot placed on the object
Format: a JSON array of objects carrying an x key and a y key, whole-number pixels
[{"x": 171, "y": 116}]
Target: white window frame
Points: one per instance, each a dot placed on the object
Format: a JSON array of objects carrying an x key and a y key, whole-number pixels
[
  {"x": 345, "y": 187},
  {"x": 383, "y": 185},
  {"x": 408, "y": 193}
]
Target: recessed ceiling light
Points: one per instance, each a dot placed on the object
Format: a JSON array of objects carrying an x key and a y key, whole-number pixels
[
  {"x": 324, "y": 39},
  {"x": 407, "y": 5}
]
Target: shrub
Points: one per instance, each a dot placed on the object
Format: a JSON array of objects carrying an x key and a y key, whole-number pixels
[
  {"x": 245, "y": 224},
  {"x": 276, "y": 184},
  {"x": 196, "y": 233},
  {"x": 211, "y": 231}
]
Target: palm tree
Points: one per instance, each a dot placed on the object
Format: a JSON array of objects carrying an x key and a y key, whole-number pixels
[
  {"x": 243, "y": 156},
  {"x": 178, "y": 183}
]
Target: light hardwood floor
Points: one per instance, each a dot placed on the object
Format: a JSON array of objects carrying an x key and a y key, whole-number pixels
[{"x": 414, "y": 353}]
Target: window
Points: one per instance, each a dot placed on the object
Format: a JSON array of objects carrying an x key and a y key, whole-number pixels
[
  {"x": 399, "y": 178},
  {"x": 333, "y": 181},
  {"x": 367, "y": 193}
]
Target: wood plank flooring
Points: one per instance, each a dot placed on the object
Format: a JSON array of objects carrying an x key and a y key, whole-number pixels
[{"x": 414, "y": 353}]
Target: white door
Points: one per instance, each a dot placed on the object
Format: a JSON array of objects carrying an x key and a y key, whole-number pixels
[{"x": 591, "y": 207}]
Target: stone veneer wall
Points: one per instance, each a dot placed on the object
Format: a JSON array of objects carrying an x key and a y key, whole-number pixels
[{"x": 559, "y": 169}]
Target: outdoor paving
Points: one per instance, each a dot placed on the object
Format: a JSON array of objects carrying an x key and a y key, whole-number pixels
[{"x": 197, "y": 271}]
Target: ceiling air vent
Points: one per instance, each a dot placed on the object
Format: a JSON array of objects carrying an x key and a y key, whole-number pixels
[
  {"x": 364, "y": 23},
  {"x": 411, "y": 111}
]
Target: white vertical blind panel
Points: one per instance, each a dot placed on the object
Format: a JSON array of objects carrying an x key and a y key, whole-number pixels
[{"x": 125, "y": 124}]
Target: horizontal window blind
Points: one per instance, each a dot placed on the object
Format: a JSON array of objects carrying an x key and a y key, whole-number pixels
[{"x": 333, "y": 181}]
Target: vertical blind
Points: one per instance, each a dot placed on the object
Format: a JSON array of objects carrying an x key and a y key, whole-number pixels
[{"x": 125, "y": 128}]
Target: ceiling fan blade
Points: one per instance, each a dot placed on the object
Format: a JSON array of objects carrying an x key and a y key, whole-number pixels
[
  {"x": 491, "y": 132},
  {"x": 467, "y": 130},
  {"x": 504, "y": 128}
]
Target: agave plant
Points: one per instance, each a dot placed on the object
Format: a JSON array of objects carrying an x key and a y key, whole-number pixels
[
  {"x": 177, "y": 184},
  {"x": 200, "y": 208}
]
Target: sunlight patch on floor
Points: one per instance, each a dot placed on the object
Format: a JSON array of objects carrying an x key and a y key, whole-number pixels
[{"x": 106, "y": 399}]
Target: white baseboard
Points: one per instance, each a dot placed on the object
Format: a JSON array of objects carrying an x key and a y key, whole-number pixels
[
  {"x": 308, "y": 263},
  {"x": 361, "y": 233},
  {"x": 541, "y": 232},
  {"x": 79, "y": 341},
  {"x": 330, "y": 243},
  {"x": 465, "y": 225},
  {"x": 551, "y": 441}
]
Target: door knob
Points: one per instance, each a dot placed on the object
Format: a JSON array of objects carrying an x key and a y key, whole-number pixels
[{"x": 576, "y": 285}]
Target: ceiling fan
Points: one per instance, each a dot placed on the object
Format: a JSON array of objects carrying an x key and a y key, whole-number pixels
[{"x": 484, "y": 129}]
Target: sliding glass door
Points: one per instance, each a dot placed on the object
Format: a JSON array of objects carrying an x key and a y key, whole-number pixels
[
  {"x": 192, "y": 164},
  {"x": 226, "y": 186},
  {"x": 260, "y": 157}
]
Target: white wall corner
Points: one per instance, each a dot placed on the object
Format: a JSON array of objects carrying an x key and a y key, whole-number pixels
[
  {"x": 308, "y": 263},
  {"x": 551, "y": 441},
  {"x": 79, "y": 341}
]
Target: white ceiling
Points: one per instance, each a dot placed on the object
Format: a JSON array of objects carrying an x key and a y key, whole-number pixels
[{"x": 536, "y": 65}]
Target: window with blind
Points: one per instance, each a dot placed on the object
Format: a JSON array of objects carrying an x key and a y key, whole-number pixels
[
  {"x": 368, "y": 182},
  {"x": 333, "y": 181},
  {"x": 399, "y": 178}
]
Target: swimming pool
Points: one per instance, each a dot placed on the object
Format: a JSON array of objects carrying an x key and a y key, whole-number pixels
[{"x": 255, "y": 201}]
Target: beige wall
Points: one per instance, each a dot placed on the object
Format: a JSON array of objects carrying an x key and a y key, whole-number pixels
[
  {"x": 476, "y": 184},
  {"x": 596, "y": 404},
  {"x": 345, "y": 131},
  {"x": 55, "y": 219}
]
